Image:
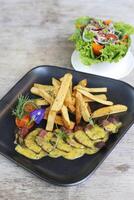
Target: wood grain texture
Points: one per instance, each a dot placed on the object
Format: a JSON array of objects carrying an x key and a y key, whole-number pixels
[{"x": 35, "y": 32}]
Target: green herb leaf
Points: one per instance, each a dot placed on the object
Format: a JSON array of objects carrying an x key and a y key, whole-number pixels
[
  {"x": 18, "y": 111},
  {"x": 61, "y": 134},
  {"x": 91, "y": 122}
]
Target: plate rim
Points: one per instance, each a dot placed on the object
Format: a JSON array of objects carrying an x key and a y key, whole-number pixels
[{"x": 49, "y": 180}]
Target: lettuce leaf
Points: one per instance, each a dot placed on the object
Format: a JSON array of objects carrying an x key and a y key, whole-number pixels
[
  {"x": 82, "y": 21},
  {"x": 113, "y": 52},
  {"x": 124, "y": 28}
]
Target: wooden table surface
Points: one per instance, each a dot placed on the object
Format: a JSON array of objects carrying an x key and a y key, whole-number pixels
[{"x": 35, "y": 32}]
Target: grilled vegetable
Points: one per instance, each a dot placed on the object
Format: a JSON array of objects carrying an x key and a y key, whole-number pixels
[
  {"x": 95, "y": 132},
  {"x": 30, "y": 141},
  {"x": 73, "y": 142},
  {"x": 29, "y": 154},
  {"x": 75, "y": 153},
  {"x": 25, "y": 121},
  {"x": 83, "y": 139},
  {"x": 44, "y": 142}
]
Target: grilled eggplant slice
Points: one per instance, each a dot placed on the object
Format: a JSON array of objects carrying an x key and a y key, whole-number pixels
[
  {"x": 113, "y": 128},
  {"x": 44, "y": 142},
  {"x": 71, "y": 141},
  {"x": 56, "y": 153},
  {"x": 75, "y": 153},
  {"x": 29, "y": 153},
  {"x": 91, "y": 151},
  {"x": 63, "y": 146},
  {"x": 83, "y": 139},
  {"x": 95, "y": 132},
  {"x": 30, "y": 141}
]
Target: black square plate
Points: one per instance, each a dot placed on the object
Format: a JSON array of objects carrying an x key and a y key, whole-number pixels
[{"x": 61, "y": 171}]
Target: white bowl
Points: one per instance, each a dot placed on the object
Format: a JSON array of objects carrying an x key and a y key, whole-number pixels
[{"x": 113, "y": 70}]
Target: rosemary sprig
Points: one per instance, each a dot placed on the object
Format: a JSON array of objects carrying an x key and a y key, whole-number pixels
[
  {"x": 19, "y": 111},
  {"x": 61, "y": 134},
  {"x": 91, "y": 122}
]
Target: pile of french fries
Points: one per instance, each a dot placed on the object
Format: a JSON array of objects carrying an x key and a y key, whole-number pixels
[{"x": 61, "y": 99}]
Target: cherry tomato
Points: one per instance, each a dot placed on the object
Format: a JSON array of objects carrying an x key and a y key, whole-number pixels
[
  {"x": 107, "y": 22},
  {"x": 29, "y": 107},
  {"x": 125, "y": 37},
  {"x": 96, "y": 48},
  {"x": 24, "y": 122}
]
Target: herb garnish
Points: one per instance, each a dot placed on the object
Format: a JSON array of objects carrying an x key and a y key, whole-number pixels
[
  {"x": 61, "y": 134},
  {"x": 19, "y": 111},
  {"x": 91, "y": 122}
]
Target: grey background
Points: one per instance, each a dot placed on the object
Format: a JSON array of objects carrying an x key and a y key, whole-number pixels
[{"x": 35, "y": 32}]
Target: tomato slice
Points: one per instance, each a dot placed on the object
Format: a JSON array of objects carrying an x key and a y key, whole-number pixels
[
  {"x": 24, "y": 122},
  {"x": 111, "y": 36}
]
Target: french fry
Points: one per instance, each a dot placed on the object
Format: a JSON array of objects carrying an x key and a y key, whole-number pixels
[
  {"x": 59, "y": 100},
  {"x": 83, "y": 108},
  {"x": 88, "y": 107},
  {"x": 73, "y": 100},
  {"x": 41, "y": 102},
  {"x": 83, "y": 82},
  {"x": 65, "y": 116},
  {"x": 68, "y": 98},
  {"x": 100, "y": 96},
  {"x": 50, "y": 120},
  {"x": 69, "y": 101},
  {"x": 45, "y": 87},
  {"x": 42, "y": 93},
  {"x": 56, "y": 82},
  {"x": 71, "y": 108},
  {"x": 93, "y": 97},
  {"x": 59, "y": 120},
  {"x": 92, "y": 90},
  {"x": 109, "y": 110},
  {"x": 78, "y": 108}
]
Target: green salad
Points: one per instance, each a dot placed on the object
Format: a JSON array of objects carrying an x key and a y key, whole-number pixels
[{"x": 99, "y": 40}]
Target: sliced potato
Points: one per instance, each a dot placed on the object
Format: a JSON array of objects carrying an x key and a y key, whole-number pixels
[
  {"x": 41, "y": 102},
  {"x": 78, "y": 108},
  {"x": 44, "y": 87},
  {"x": 65, "y": 116},
  {"x": 59, "y": 121},
  {"x": 88, "y": 107},
  {"x": 109, "y": 110},
  {"x": 50, "y": 120},
  {"x": 56, "y": 85},
  {"x": 83, "y": 82},
  {"x": 92, "y": 90},
  {"x": 93, "y": 97},
  {"x": 84, "y": 109},
  {"x": 56, "y": 82},
  {"x": 43, "y": 94},
  {"x": 59, "y": 100},
  {"x": 100, "y": 96}
]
